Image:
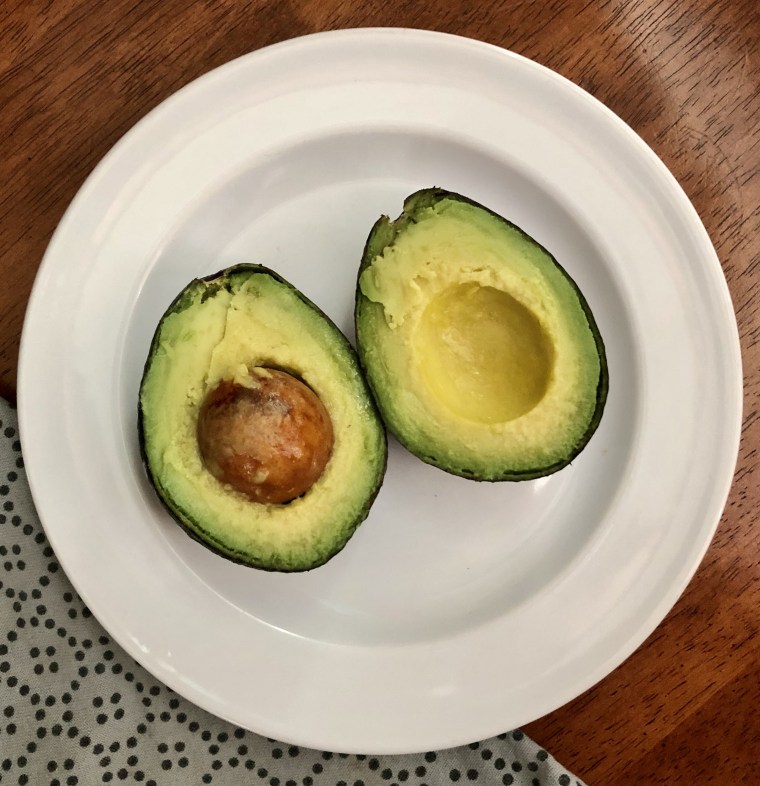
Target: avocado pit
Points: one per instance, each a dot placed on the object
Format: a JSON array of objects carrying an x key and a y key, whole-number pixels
[{"x": 269, "y": 436}]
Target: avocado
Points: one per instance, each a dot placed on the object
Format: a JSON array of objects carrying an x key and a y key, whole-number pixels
[
  {"x": 256, "y": 426},
  {"x": 482, "y": 353}
]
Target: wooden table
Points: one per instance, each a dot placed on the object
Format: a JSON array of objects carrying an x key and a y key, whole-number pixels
[{"x": 685, "y": 74}]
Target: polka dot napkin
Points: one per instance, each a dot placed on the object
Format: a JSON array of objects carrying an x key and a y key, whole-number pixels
[{"x": 77, "y": 710}]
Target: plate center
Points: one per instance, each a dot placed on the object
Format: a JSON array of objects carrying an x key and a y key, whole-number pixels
[{"x": 438, "y": 554}]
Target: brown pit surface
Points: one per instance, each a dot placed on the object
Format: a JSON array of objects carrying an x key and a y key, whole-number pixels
[{"x": 270, "y": 441}]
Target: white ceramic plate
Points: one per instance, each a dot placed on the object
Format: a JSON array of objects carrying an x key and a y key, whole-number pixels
[{"x": 459, "y": 610}]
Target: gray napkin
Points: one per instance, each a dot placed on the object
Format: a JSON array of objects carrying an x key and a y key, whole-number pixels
[{"x": 76, "y": 709}]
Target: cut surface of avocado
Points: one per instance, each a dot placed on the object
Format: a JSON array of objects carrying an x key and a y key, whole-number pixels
[
  {"x": 244, "y": 351},
  {"x": 482, "y": 353}
]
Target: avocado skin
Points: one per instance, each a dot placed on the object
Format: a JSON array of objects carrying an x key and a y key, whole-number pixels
[
  {"x": 213, "y": 283},
  {"x": 382, "y": 235}
]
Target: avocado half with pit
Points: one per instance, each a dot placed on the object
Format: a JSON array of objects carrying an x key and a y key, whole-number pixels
[
  {"x": 256, "y": 425},
  {"x": 482, "y": 353}
]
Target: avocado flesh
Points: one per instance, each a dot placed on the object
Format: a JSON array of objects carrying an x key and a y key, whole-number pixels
[
  {"x": 482, "y": 353},
  {"x": 218, "y": 329}
]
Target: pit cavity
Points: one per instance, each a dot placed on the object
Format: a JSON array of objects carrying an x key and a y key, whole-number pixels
[{"x": 483, "y": 354}]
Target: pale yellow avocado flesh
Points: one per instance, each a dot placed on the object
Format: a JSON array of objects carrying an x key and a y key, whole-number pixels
[
  {"x": 483, "y": 354},
  {"x": 477, "y": 344},
  {"x": 258, "y": 321}
]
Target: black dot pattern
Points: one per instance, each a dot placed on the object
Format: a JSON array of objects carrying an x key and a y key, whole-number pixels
[{"x": 76, "y": 709}]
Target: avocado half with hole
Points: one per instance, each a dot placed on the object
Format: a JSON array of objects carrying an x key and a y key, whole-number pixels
[
  {"x": 256, "y": 425},
  {"x": 482, "y": 353}
]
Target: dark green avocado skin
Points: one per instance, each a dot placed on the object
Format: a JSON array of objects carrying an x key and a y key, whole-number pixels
[
  {"x": 383, "y": 235},
  {"x": 214, "y": 282}
]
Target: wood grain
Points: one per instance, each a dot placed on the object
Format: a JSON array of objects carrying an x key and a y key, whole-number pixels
[{"x": 685, "y": 74}]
